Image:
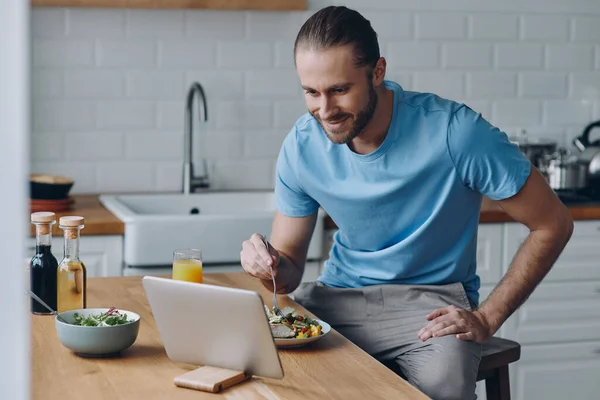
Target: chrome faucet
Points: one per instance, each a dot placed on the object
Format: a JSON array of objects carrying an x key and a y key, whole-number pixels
[{"x": 191, "y": 182}]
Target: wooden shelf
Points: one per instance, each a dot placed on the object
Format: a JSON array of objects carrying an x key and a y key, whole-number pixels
[{"x": 265, "y": 5}]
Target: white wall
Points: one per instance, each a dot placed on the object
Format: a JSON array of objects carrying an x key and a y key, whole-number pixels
[
  {"x": 109, "y": 84},
  {"x": 14, "y": 127}
]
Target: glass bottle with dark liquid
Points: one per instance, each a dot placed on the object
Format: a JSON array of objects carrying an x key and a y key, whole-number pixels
[
  {"x": 71, "y": 276},
  {"x": 43, "y": 265}
]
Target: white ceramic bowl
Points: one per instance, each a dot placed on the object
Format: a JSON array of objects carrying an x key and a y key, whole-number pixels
[
  {"x": 97, "y": 341},
  {"x": 293, "y": 342}
]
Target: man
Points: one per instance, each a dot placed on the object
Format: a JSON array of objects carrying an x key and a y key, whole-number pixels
[{"x": 402, "y": 174}]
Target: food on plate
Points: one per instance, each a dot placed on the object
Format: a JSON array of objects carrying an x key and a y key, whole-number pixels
[
  {"x": 111, "y": 317},
  {"x": 281, "y": 331},
  {"x": 292, "y": 325}
]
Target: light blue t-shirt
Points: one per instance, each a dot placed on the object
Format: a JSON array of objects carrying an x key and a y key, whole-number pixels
[{"x": 408, "y": 212}]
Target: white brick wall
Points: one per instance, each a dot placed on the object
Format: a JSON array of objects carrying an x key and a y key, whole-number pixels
[
  {"x": 244, "y": 55},
  {"x": 543, "y": 85},
  {"x": 130, "y": 54},
  {"x": 63, "y": 53},
  {"x": 440, "y": 26},
  {"x": 109, "y": 85},
  {"x": 413, "y": 55},
  {"x": 95, "y": 23},
  {"x": 495, "y": 27},
  {"x": 495, "y": 84},
  {"x": 94, "y": 84},
  {"x": 467, "y": 55},
  {"x": 535, "y": 28},
  {"x": 449, "y": 84},
  {"x": 569, "y": 57},
  {"x": 519, "y": 56}
]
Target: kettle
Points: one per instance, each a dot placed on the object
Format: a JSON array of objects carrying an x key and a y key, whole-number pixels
[{"x": 590, "y": 151}]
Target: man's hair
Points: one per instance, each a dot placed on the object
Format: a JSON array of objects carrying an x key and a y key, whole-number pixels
[{"x": 338, "y": 26}]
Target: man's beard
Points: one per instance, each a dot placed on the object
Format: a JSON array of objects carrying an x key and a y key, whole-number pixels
[{"x": 346, "y": 135}]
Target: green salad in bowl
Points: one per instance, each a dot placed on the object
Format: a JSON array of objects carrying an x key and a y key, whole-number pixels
[
  {"x": 97, "y": 331},
  {"x": 111, "y": 317}
]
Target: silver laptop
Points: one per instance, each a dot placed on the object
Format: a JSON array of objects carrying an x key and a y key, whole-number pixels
[{"x": 203, "y": 324}]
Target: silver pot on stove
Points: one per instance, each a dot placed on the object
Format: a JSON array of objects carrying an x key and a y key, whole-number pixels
[
  {"x": 565, "y": 171},
  {"x": 537, "y": 150}
]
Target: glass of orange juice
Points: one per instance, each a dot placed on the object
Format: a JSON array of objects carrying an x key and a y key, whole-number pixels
[{"x": 187, "y": 265}]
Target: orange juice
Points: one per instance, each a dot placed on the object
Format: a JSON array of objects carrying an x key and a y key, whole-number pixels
[{"x": 187, "y": 270}]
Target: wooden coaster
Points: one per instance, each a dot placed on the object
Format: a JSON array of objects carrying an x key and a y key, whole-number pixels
[{"x": 210, "y": 379}]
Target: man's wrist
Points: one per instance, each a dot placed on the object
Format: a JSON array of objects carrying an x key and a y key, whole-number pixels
[
  {"x": 280, "y": 278},
  {"x": 288, "y": 275},
  {"x": 491, "y": 318}
]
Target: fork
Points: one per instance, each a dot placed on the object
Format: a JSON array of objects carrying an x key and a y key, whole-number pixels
[
  {"x": 36, "y": 298},
  {"x": 275, "y": 303}
]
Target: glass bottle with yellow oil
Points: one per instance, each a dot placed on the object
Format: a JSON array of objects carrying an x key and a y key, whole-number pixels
[{"x": 71, "y": 275}]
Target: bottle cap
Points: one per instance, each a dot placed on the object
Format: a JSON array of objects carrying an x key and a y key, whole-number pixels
[
  {"x": 43, "y": 217},
  {"x": 73, "y": 221}
]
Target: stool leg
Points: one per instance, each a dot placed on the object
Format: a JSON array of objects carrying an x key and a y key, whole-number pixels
[{"x": 497, "y": 386}]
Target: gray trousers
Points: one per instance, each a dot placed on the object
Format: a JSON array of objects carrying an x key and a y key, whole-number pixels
[{"x": 384, "y": 321}]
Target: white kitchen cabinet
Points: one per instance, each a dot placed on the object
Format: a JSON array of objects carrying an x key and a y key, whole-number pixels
[
  {"x": 580, "y": 260},
  {"x": 555, "y": 371},
  {"x": 327, "y": 245},
  {"x": 558, "y": 327},
  {"x": 101, "y": 254},
  {"x": 558, "y": 371},
  {"x": 559, "y": 312},
  {"x": 489, "y": 261},
  {"x": 489, "y": 253}
]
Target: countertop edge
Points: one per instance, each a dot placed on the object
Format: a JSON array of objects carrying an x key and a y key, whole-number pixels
[{"x": 100, "y": 221}]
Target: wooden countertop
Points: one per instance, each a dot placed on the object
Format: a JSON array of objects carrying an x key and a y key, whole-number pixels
[
  {"x": 331, "y": 368},
  {"x": 491, "y": 212},
  {"x": 97, "y": 219},
  {"x": 100, "y": 221}
]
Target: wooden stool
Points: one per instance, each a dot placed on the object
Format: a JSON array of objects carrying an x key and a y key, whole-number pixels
[{"x": 496, "y": 354}]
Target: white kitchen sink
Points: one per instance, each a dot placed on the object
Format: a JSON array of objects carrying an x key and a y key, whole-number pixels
[{"x": 214, "y": 222}]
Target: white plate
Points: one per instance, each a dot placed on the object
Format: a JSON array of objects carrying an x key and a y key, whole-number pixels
[{"x": 293, "y": 342}]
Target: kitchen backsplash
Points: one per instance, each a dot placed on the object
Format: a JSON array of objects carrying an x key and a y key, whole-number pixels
[{"x": 109, "y": 85}]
